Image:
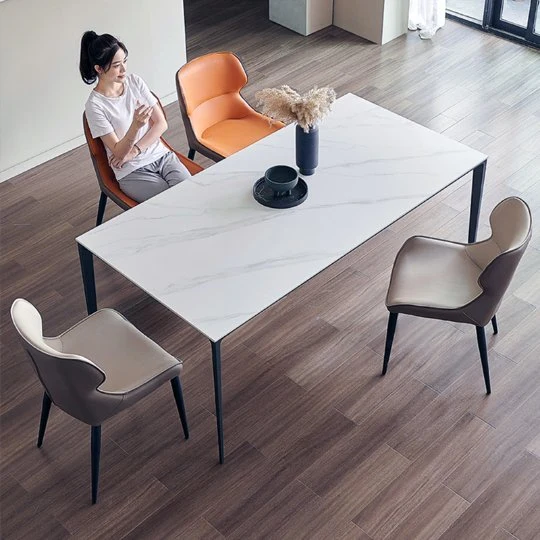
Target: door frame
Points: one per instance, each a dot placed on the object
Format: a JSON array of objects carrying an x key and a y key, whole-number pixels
[
  {"x": 493, "y": 18},
  {"x": 491, "y": 8}
]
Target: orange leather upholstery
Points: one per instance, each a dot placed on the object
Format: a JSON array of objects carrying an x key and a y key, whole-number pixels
[
  {"x": 105, "y": 175},
  {"x": 218, "y": 121}
]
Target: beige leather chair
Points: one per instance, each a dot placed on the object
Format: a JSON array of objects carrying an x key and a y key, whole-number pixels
[
  {"x": 97, "y": 368},
  {"x": 457, "y": 282}
]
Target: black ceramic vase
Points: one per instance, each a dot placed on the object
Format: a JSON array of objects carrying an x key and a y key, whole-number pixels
[{"x": 307, "y": 150}]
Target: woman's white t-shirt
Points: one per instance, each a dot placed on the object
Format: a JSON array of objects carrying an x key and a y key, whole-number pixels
[{"x": 108, "y": 114}]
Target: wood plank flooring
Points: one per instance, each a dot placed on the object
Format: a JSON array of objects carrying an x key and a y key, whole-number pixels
[{"x": 318, "y": 444}]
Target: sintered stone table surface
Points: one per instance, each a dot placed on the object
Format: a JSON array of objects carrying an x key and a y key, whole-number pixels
[{"x": 207, "y": 251}]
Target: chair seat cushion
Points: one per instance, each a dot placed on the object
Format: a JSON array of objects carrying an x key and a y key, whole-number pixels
[
  {"x": 230, "y": 136},
  {"x": 128, "y": 358},
  {"x": 433, "y": 273}
]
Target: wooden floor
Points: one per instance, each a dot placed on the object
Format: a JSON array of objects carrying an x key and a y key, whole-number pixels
[{"x": 318, "y": 444}]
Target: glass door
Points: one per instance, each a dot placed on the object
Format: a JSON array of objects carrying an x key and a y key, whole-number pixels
[
  {"x": 518, "y": 17},
  {"x": 471, "y": 10}
]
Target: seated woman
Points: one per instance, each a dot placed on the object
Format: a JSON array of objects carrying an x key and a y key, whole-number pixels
[{"x": 124, "y": 113}]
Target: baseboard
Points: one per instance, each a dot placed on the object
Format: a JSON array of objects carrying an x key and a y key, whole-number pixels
[
  {"x": 34, "y": 161},
  {"x": 56, "y": 151}
]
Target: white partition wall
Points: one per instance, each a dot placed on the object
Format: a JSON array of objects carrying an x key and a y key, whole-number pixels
[
  {"x": 395, "y": 19},
  {"x": 379, "y": 21},
  {"x": 41, "y": 93},
  {"x": 302, "y": 16}
]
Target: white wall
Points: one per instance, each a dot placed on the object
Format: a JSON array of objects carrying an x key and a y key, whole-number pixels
[
  {"x": 361, "y": 17},
  {"x": 302, "y": 16},
  {"x": 379, "y": 21},
  {"x": 42, "y": 95},
  {"x": 396, "y": 17}
]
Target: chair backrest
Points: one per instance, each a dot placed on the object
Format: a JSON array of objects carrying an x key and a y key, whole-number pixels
[
  {"x": 70, "y": 380},
  {"x": 499, "y": 255},
  {"x": 209, "y": 90},
  {"x": 105, "y": 175}
]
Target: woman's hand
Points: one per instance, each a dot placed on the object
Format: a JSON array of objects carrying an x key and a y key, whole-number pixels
[
  {"x": 141, "y": 116},
  {"x": 119, "y": 163}
]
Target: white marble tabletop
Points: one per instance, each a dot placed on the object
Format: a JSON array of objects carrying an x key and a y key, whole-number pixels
[{"x": 210, "y": 253}]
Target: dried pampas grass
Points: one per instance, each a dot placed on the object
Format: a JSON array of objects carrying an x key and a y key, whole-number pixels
[{"x": 289, "y": 106}]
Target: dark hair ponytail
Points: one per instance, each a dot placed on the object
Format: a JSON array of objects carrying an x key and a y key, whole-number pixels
[{"x": 97, "y": 51}]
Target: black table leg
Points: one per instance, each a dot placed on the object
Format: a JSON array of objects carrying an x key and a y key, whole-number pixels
[
  {"x": 216, "y": 361},
  {"x": 476, "y": 199},
  {"x": 89, "y": 282}
]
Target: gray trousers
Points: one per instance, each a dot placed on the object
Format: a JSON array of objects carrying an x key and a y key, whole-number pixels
[{"x": 154, "y": 178}]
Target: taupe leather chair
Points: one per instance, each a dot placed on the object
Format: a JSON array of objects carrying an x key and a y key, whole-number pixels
[
  {"x": 97, "y": 368},
  {"x": 465, "y": 283}
]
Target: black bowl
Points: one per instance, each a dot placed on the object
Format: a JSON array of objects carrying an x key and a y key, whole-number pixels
[{"x": 281, "y": 178}]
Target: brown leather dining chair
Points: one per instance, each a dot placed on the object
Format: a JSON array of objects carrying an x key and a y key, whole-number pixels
[
  {"x": 463, "y": 283},
  {"x": 217, "y": 119},
  {"x": 107, "y": 181},
  {"x": 99, "y": 367}
]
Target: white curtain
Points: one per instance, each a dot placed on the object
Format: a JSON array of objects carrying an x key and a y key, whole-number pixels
[{"x": 426, "y": 16}]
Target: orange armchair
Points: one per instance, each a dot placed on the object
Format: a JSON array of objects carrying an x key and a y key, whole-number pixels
[
  {"x": 218, "y": 120},
  {"x": 107, "y": 181}
]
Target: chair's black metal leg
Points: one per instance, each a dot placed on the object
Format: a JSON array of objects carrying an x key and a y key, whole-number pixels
[
  {"x": 101, "y": 208},
  {"x": 179, "y": 398},
  {"x": 494, "y": 323},
  {"x": 479, "y": 174},
  {"x": 95, "y": 448},
  {"x": 481, "y": 337},
  {"x": 390, "y": 331},
  {"x": 89, "y": 282},
  {"x": 216, "y": 362},
  {"x": 45, "y": 409},
  {"x": 191, "y": 153}
]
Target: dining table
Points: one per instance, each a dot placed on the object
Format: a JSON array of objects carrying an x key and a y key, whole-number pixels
[{"x": 210, "y": 253}]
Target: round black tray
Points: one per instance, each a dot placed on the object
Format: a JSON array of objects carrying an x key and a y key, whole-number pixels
[{"x": 267, "y": 196}]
